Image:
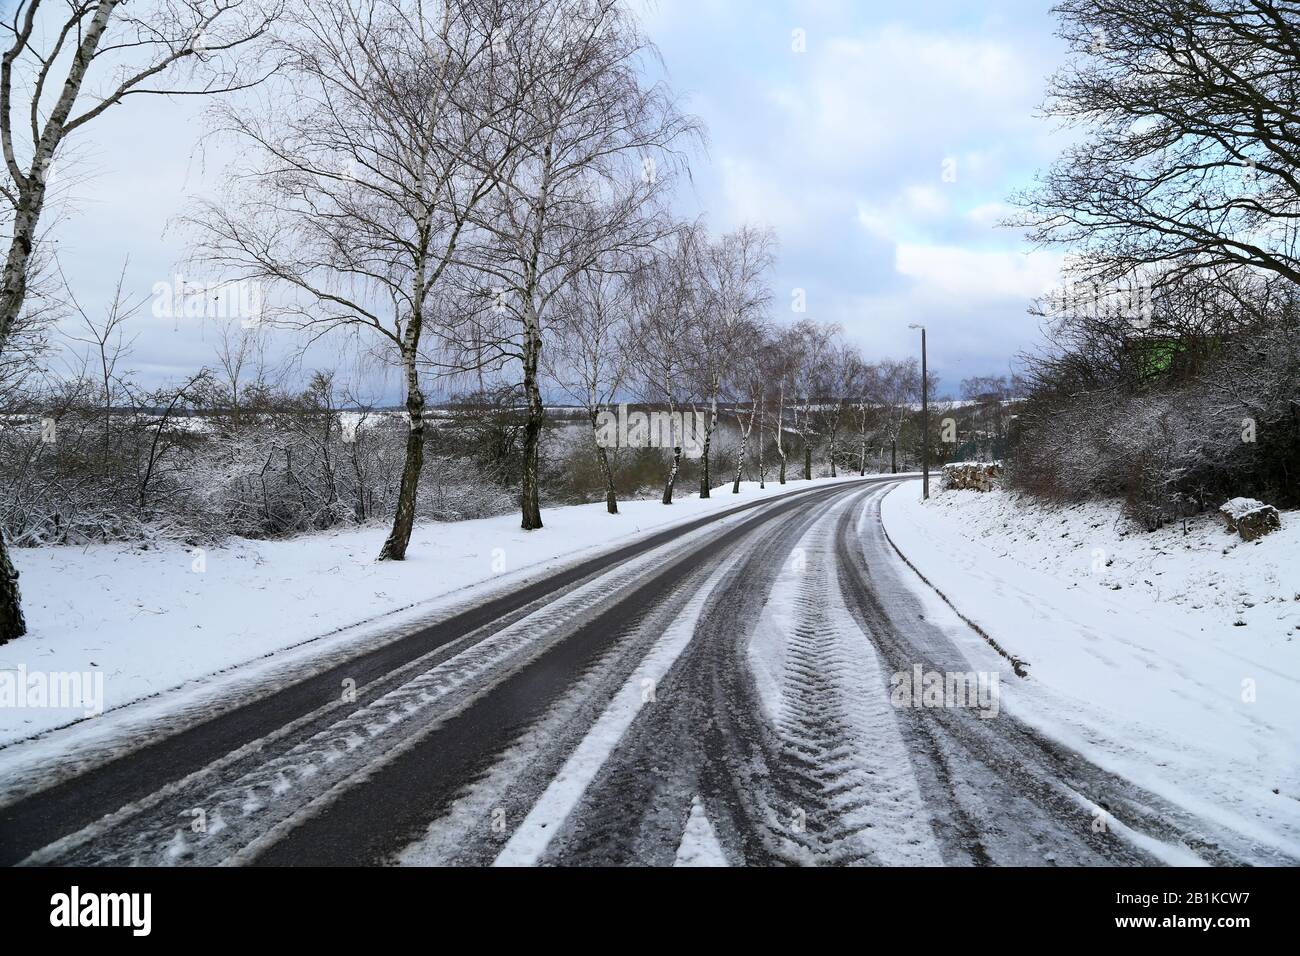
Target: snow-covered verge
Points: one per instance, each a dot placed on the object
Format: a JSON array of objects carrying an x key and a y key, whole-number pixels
[
  {"x": 1168, "y": 658},
  {"x": 158, "y": 620}
]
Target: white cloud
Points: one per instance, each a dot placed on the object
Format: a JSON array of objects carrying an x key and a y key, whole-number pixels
[
  {"x": 925, "y": 201},
  {"x": 911, "y": 210},
  {"x": 989, "y": 214},
  {"x": 900, "y": 92},
  {"x": 760, "y": 194},
  {"x": 972, "y": 275}
]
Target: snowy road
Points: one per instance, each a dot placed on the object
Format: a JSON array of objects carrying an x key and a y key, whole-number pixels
[{"x": 714, "y": 695}]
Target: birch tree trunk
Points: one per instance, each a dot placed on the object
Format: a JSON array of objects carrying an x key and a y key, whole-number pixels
[
  {"x": 611, "y": 499},
  {"x": 12, "y": 623},
  {"x": 530, "y": 504},
  {"x": 677, "y": 449},
  {"x": 740, "y": 463},
  {"x": 394, "y": 548},
  {"x": 705, "y": 479},
  {"x": 744, "y": 445},
  {"x": 672, "y": 475},
  {"x": 780, "y": 432}
]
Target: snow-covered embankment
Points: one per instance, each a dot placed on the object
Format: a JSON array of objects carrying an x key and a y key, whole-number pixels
[{"x": 1169, "y": 658}]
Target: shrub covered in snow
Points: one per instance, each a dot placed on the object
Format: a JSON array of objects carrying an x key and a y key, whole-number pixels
[
  {"x": 191, "y": 464},
  {"x": 1170, "y": 432}
]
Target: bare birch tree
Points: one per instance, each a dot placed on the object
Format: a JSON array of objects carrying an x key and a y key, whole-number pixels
[
  {"x": 832, "y": 384},
  {"x": 856, "y": 374},
  {"x": 900, "y": 390},
  {"x": 590, "y": 360},
  {"x": 593, "y": 156},
  {"x": 383, "y": 136},
  {"x": 734, "y": 277},
  {"x": 666, "y": 307},
  {"x": 746, "y": 386},
  {"x": 813, "y": 343},
  {"x": 784, "y": 363}
]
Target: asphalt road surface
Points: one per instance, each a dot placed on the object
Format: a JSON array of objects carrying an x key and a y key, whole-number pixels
[{"x": 718, "y": 693}]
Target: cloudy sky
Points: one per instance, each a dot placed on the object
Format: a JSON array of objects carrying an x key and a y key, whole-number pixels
[
  {"x": 843, "y": 150},
  {"x": 880, "y": 141}
]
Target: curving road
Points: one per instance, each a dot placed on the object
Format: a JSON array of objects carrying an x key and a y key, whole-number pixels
[{"x": 719, "y": 693}]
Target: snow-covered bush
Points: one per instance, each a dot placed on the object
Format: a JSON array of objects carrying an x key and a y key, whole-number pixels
[
  {"x": 1168, "y": 444},
  {"x": 191, "y": 465}
]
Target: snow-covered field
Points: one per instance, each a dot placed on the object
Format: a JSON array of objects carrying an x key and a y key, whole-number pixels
[
  {"x": 154, "y": 620},
  {"x": 1169, "y": 658}
]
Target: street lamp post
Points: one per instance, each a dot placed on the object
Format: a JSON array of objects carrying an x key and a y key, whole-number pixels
[{"x": 925, "y": 418}]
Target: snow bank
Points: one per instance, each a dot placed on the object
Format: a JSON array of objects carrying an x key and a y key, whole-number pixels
[
  {"x": 153, "y": 620},
  {"x": 1169, "y": 658}
]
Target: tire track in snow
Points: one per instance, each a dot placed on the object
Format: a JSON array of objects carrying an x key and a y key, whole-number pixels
[
  {"x": 705, "y": 738},
  {"x": 530, "y": 841},
  {"x": 397, "y": 799},
  {"x": 851, "y": 779},
  {"x": 267, "y": 792},
  {"x": 820, "y": 775}
]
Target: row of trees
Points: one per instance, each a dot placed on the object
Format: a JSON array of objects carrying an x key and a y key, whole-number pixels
[
  {"x": 87, "y": 454},
  {"x": 687, "y": 329},
  {"x": 1175, "y": 370}
]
